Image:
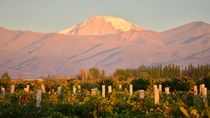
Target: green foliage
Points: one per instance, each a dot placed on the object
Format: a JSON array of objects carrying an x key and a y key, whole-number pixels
[
  {"x": 181, "y": 102},
  {"x": 89, "y": 86},
  {"x": 94, "y": 73},
  {"x": 107, "y": 82},
  {"x": 140, "y": 84},
  {"x": 121, "y": 74},
  {"x": 20, "y": 86},
  {"x": 179, "y": 84},
  {"x": 57, "y": 115},
  {"x": 207, "y": 82},
  {"x": 117, "y": 104},
  {"x": 5, "y": 80}
]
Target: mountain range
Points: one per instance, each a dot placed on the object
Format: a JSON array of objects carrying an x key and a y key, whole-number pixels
[{"x": 104, "y": 42}]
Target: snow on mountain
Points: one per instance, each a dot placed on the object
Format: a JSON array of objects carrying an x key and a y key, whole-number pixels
[
  {"x": 100, "y": 25},
  {"x": 103, "y": 42}
]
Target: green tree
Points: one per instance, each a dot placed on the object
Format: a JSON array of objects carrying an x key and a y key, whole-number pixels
[
  {"x": 5, "y": 80},
  {"x": 93, "y": 73},
  {"x": 121, "y": 74}
]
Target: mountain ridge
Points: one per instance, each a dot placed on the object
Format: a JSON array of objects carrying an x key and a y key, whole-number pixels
[
  {"x": 193, "y": 22},
  {"x": 37, "y": 54}
]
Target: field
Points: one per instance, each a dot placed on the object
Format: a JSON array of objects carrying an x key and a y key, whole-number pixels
[{"x": 83, "y": 96}]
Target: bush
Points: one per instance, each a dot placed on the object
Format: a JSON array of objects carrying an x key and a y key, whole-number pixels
[
  {"x": 207, "y": 82},
  {"x": 140, "y": 84}
]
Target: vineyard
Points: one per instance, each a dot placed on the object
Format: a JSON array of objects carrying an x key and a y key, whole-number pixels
[{"x": 144, "y": 92}]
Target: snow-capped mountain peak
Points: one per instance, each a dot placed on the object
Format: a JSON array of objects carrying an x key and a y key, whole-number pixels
[{"x": 101, "y": 25}]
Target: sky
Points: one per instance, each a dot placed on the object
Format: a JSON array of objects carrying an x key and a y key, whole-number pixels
[{"x": 56, "y": 15}]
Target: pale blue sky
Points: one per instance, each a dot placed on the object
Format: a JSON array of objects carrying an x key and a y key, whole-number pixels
[{"x": 55, "y": 15}]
